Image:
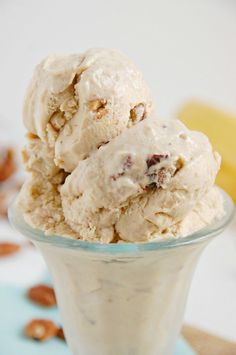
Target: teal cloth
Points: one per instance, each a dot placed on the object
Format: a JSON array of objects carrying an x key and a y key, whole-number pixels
[{"x": 16, "y": 311}]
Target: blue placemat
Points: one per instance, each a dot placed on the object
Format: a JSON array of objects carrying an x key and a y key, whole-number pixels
[{"x": 16, "y": 311}]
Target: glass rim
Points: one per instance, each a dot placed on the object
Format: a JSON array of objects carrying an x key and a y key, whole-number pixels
[{"x": 17, "y": 221}]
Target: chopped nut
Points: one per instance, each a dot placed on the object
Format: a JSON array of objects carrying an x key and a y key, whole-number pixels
[
  {"x": 7, "y": 248},
  {"x": 7, "y": 164},
  {"x": 60, "y": 334},
  {"x": 57, "y": 121},
  {"x": 35, "y": 191},
  {"x": 69, "y": 107},
  {"x": 59, "y": 178},
  {"x": 52, "y": 104},
  {"x": 98, "y": 106},
  {"x": 179, "y": 164},
  {"x": 159, "y": 178},
  {"x": 42, "y": 295},
  {"x": 31, "y": 135},
  {"x": 137, "y": 113},
  {"x": 95, "y": 105},
  {"x": 41, "y": 329},
  {"x": 64, "y": 104},
  {"x": 101, "y": 113},
  {"x": 155, "y": 158}
]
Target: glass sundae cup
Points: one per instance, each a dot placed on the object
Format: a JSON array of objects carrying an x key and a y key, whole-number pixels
[{"x": 124, "y": 298}]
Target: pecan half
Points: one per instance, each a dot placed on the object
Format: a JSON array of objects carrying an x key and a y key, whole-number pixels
[
  {"x": 43, "y": 295},
  {"x": 41, "y": 329},
  {"x": 8, "y": 248},
  {"x": 7, "y": 164}
]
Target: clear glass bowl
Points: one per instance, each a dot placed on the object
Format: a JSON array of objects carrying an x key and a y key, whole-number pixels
[{"x": 122, "y": 299}]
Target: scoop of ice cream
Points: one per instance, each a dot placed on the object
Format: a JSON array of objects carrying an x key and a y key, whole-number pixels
[
  {"x": 78, "y": 102},
  {"x": 99, "y": 171},
  {"x": 141, "y": 183}
]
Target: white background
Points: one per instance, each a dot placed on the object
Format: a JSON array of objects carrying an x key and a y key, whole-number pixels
[{"x": 186, "y": 49}]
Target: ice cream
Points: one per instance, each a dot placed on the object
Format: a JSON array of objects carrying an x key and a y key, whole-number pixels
[
  {"x": 102, "y": 166},
  {"x": 142, "y": 183},
  {"x": 76, "y": 103},
  {"x": 121, "y": 304}
]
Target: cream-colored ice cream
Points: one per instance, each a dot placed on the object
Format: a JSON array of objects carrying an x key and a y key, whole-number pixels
[
  {"x": 140, "y": 184},
  {"x": 121, "y": 303},
  {"x": 103, "y": 168},
  {"x": 75, "y": 103}
]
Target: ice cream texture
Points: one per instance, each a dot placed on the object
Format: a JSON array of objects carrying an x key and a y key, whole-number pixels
[
  {"x": 103, "y": 167},
  {"x": 76, "y": 103}
]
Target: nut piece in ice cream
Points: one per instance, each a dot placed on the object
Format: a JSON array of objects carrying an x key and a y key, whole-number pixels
[
  {"x": 76, "y": 102},
  {"x": 138, "y": 113},
  {"x": 99, "y": 107}
]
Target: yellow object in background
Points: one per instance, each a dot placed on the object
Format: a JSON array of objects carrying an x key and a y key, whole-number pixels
[{"x": 220, "y": 127}]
